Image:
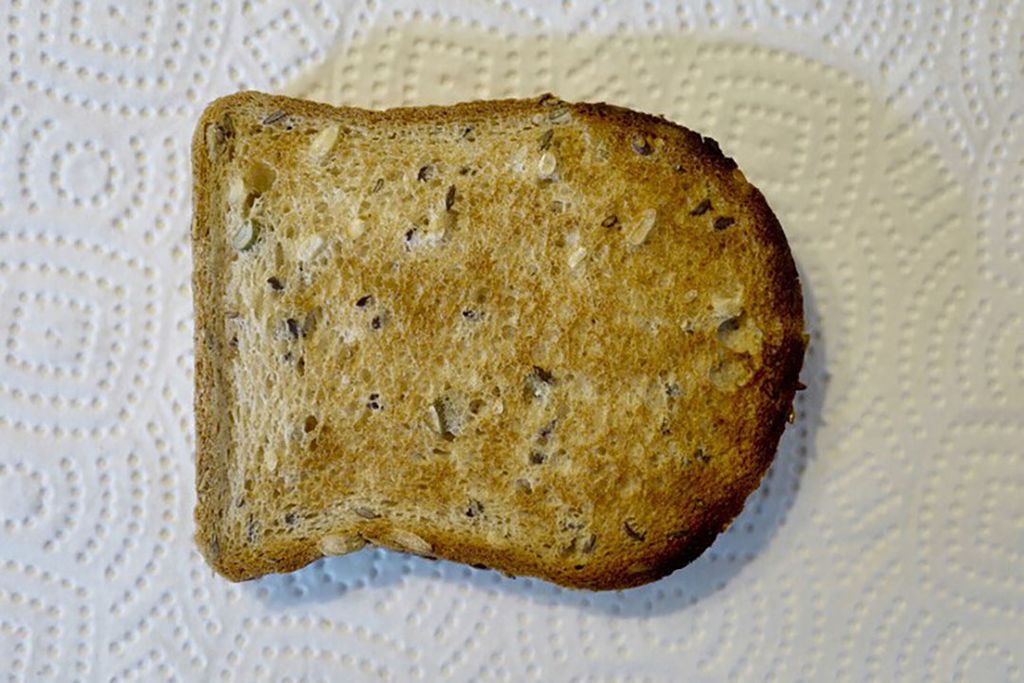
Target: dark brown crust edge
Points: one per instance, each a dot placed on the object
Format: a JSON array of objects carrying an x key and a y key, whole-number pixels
[{"x": 783, "y": 362}]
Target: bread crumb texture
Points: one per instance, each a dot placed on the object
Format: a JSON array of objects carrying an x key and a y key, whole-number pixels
[{"x": 552, "y": 339}]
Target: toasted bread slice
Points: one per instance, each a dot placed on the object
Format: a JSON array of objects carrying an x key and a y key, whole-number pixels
[{"x": 558, "y": 340}]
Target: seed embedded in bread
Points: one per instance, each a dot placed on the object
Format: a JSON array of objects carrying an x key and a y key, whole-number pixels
[
  {"x": 642, "y": 227},
  {"x": 321, "y": 143},
  {"x": 554, "y": 339},
  {"x": 702, "y": 208},
  {"x": 546, "y": 165}
]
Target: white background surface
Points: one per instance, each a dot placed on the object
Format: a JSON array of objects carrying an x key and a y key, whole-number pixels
[{"x": 887, "y": 542}]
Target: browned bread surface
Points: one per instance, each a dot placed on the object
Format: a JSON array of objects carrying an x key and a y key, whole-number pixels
[{"x": 554, "y": 339}]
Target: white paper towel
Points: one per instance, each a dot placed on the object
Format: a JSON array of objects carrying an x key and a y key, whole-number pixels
[{"x": 887, "y": 542}]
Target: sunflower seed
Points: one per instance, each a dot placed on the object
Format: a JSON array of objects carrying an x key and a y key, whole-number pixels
[
  {"x": 246, "y": 235},
  {"x": 410, "y": 542},
  {"x": 340, "y": 545}
]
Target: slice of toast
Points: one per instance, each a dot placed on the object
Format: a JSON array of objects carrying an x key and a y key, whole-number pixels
[{"x": 553, "y": 339}]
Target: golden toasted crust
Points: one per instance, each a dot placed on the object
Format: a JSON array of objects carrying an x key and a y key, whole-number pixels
[{"x": 660, "y": 371}]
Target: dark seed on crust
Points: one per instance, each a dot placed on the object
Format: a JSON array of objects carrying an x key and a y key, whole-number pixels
[
  {"x": 723, "y": 222},
  {"x": 633, "y": 533},
  {"x": 377, "y": 186},
  {"x": 449, "y": 198},
  {"x": 364, "y": 300},
  {"x": 275, "y": 284},
  {"x": 425, "y": 173},
  {"x": 701, "y": 208},
  {"x": 293, "y": 327}
]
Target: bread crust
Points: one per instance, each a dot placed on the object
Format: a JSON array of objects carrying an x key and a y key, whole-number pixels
[{"x": 630, "y": 562}]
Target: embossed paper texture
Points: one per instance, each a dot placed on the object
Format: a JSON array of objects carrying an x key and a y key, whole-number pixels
[{"x": 887, "y": 541}]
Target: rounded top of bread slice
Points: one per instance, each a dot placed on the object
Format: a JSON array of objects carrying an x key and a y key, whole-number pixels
[{"x": 554, "y": 339}]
